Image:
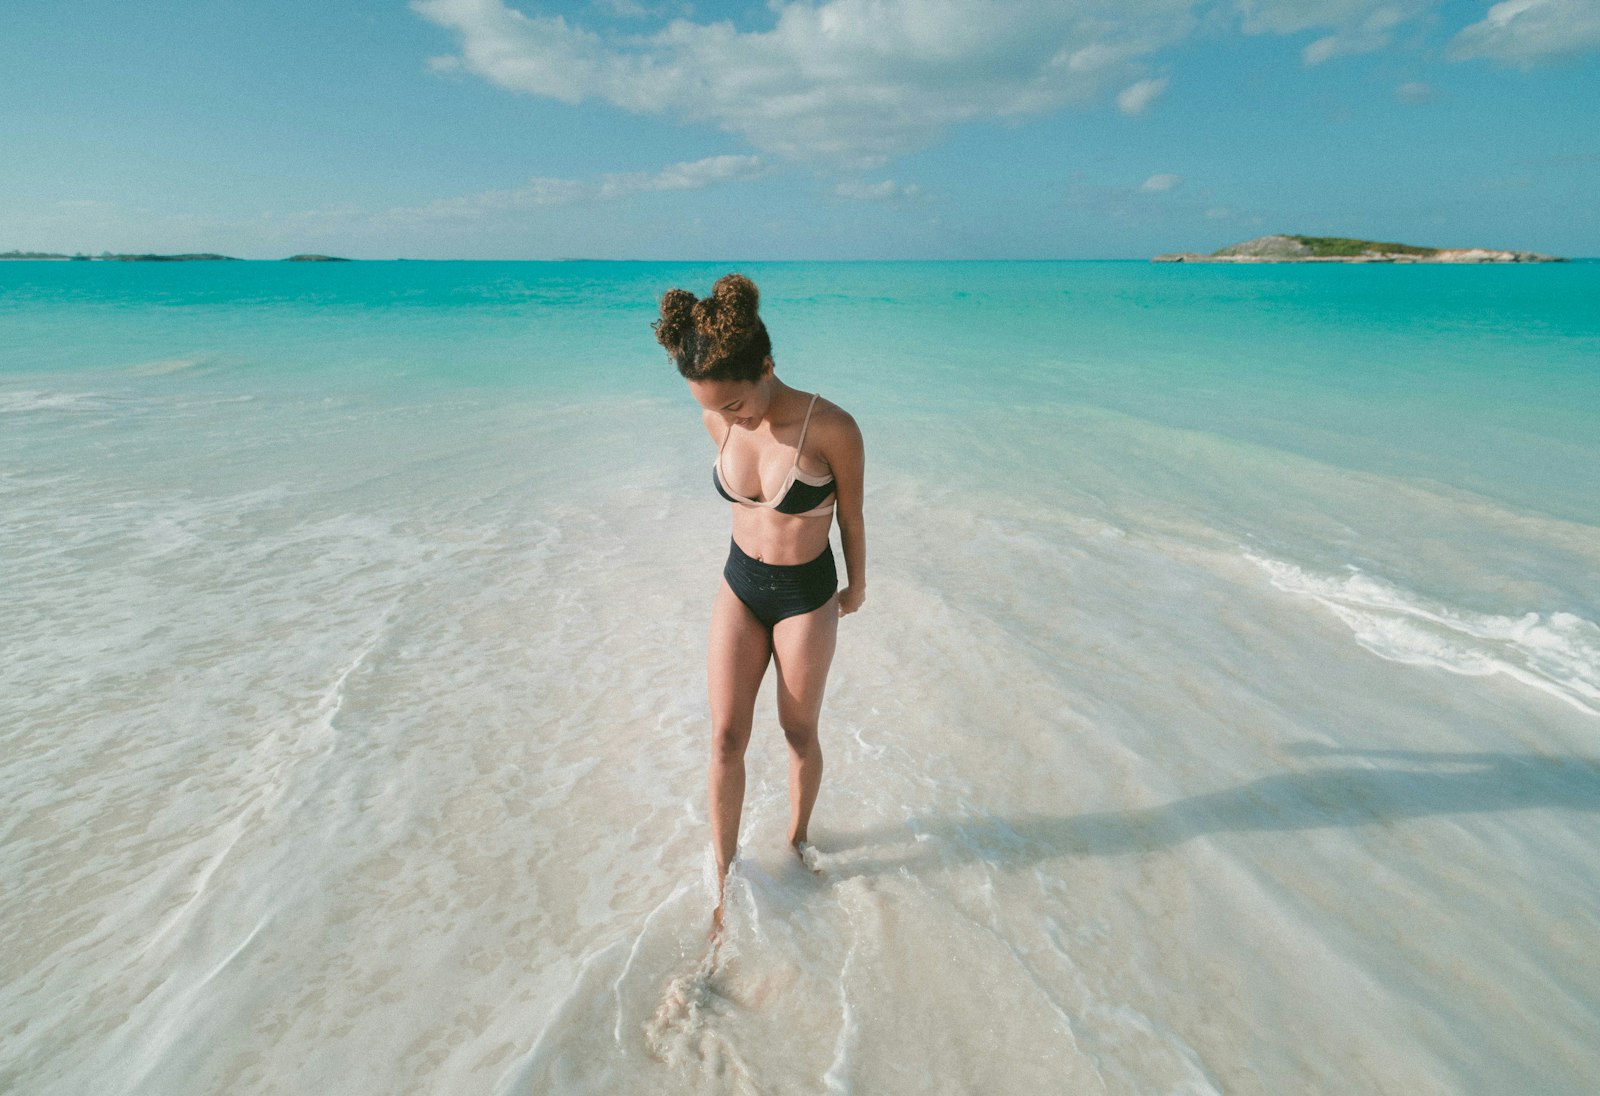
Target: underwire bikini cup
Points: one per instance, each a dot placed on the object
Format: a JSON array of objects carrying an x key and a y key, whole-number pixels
[{"x": 801, "y": 495}]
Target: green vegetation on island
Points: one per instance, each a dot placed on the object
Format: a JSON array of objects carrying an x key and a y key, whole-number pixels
[
  {"x": 1342, "y": 249},
  {"x": 202, "y": 257},
  {"x": 1329, "y": 247}
]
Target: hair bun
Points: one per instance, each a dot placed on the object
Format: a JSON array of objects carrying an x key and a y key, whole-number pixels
[
  {"x": 737, "y": 293},
  {"x": 720, "y": 337},
  {"x": 677, "y": 318},
  {"x": 730, "y": 315}
]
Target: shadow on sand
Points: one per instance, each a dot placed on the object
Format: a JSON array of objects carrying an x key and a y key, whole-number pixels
[{"x": 1394, "y": 785}]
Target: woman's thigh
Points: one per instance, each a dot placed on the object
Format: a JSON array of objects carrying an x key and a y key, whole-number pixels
[
  {"x": 803, "y": 649},
  {"x": 736, "y": 660}
]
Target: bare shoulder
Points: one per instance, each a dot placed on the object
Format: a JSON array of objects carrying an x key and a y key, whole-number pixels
[
  {"x": 838, "y": 438},
  {"x": 833, "y": 425},
  {"x": 714, "y": 425}
]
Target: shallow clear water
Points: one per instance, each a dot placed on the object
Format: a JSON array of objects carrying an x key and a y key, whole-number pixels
[{"x": 1223, "y": 716}]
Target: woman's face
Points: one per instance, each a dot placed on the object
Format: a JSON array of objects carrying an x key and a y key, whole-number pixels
[{"x": 740, "y": 403}]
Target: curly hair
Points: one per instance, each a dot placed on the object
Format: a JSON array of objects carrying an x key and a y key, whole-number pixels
[{"x": 715, "y": 338}]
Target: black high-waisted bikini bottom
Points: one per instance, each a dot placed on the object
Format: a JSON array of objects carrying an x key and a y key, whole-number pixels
[{"x": 777, "y": 591}]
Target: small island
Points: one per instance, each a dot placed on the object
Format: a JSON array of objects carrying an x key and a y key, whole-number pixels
[
  {"x": 1339, "y": 249},
  {"x": 109, "y": 257}
]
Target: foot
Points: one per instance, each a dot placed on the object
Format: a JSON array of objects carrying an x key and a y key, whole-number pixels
[{"x": 807, "y": 852}]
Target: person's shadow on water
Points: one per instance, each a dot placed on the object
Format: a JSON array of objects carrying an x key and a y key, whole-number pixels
[{"x": 1409, "y": 784}]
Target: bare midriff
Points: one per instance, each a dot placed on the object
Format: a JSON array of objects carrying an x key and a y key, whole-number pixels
[{"x": 781, "y": 539}]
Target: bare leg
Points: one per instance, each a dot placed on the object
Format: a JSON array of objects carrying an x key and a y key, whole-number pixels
[
  {"x": 736, "y": 660},
  {"x": 803, "y": 647}
]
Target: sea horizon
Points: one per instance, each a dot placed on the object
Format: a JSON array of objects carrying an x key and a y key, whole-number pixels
[{"x": 734, "y": 262}]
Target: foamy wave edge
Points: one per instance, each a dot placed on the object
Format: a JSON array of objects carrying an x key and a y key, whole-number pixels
[
  {"x": 1557, "y": 653},
  {"x": 23, "y": 402}
]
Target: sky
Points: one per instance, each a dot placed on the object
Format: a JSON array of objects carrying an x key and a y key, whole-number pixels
[{"x": 794, "y": 129}]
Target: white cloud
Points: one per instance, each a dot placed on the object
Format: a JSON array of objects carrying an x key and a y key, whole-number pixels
[
  {"x": 857, "y": 82},
  {"x": 1414, "y": 92},
  {"x": 541, "y": 191},
  {"x": 845, "y": 80},
  {"x": 1134, "y": 98},
  {"x": 692, "y": 175},
  {"x": 1343, "y": 45},
  {"x": 1525, "y": 32},
  {"x": 1219, "y": 213},
  {"x": 1370, "y": 33},
  {"x": 1294, "y": 16},
  {"x": 1157, "y": 183},
  {"x": 623, "y": 9},
  {"x": 1358, "y": 26},
  {"x": 858, "y": 191}
]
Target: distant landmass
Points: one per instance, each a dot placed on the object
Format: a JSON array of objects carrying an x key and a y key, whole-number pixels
[
  {"x": 1339, "y": 249},
  {"x": 200, "y": 257}
]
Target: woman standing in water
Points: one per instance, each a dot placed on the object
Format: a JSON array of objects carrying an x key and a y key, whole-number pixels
[{"x": 788, "y": 461}]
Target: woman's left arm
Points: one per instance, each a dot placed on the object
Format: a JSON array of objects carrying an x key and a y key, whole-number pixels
[{"x": 847, "y": 457}]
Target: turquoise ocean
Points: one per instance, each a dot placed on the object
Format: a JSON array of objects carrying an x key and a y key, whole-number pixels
[{"x": 1224, "y": 715}]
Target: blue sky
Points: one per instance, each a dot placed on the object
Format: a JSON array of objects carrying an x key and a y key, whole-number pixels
[{"x": 851, "y": 129}]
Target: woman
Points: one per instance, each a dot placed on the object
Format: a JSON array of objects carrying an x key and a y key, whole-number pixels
[{"x": 788, "y": 461}]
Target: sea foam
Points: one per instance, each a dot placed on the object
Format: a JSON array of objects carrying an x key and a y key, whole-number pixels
[{"x": 1555, "y": 652}]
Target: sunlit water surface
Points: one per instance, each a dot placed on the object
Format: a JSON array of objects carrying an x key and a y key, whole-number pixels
[{"x": 1224, "y": 715}]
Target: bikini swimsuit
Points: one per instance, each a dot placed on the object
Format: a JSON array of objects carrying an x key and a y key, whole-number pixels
[
  {"x": 774, "y": 591},
  {"x": 800, "y": 494}
]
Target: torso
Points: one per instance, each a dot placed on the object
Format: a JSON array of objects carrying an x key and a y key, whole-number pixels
[{"x": 755, "y": 464}]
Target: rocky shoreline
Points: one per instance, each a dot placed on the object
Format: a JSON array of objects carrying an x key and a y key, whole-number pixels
[{"x": 1339, "y": 249}]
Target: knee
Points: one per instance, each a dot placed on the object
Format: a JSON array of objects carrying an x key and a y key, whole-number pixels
[
  {"x": 728, "y": 741},
  {"x": 801, "y": 734}
]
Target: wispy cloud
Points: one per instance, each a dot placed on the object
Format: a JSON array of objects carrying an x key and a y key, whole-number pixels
[
  {"x": 1370, "y": 31},
  {"x": 1295, "y": 16},
  {"x": 624, "y": 9},
  {"x": 1354, "y": 26},
  {"x": 1136, "y": 98},
  {"x": 856, "y": 190},
  {"x": 1526, "y": 32},
  {"x": 1176, "y": 205},
  {"x": 857, "y": 82},
  {"x": 543, "y": 191},
  {"x": 852, "y": 81},
  {"x": 1414, "y": 92}
]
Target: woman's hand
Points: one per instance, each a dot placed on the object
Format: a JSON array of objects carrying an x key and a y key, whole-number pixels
[{"x": 850, "y": 599}]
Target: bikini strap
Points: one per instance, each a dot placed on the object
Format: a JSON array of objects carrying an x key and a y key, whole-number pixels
[{"x": 801, "y": 444}]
